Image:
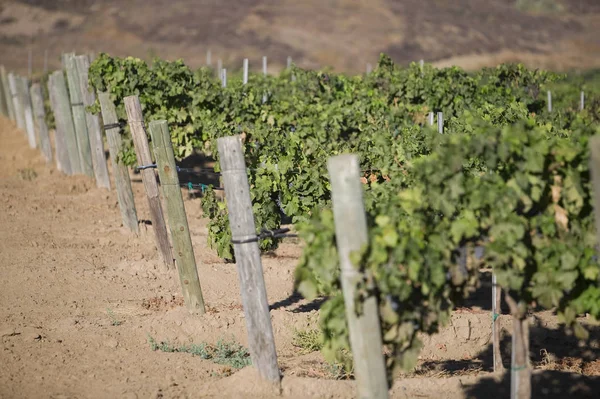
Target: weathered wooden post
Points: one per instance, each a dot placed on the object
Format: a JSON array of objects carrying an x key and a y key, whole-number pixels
[
  {"x": 30, "y": 65},
  {"x": 3, "y": 100},
  {"x": 247, "y": 255},
  {"x": 79, "y": 119},
  {"x": 180, "y": 232},
  {"x": 66, "y": 141},
  {"x": 219, "y": 67},
  {"x": 28, "y": 113},
  {"x": 430, "y": 118},
  {"x": 496, "y": 311},
  {"x": 135, "y": 119},
  {"x": 264, "y": 65},
  {"x": 549, "y": 101},
  {"x": 224, "y": 77},
  {"x": 245, "y": 77},
  {"x": 94, "y": 129},
  {"x": 289, "y": 62},
  {"x": 37, "y": 100},
  {"x": 45, "y": 61},
  {"x": 581, "y": 101},
  {"x": 14, "y": 84},
  {"x": 120, "y": 171},
  {"x": 440, "y": 121},
  {"x": 7, "y": 95},
  {"x": 351, "y": 235}
]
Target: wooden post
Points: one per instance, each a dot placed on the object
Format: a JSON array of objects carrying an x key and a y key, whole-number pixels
[
  {"x": 289, "y": 62},
  {"x": 37, "y": 100},
  {"x": 13, "y": 82},
  {"x": 79, "y": 119},
  {"x": 440, "y": 120},
  {"x": 245, "y": 78},
  {"x": 94, "y": 130},
  {"x": 430, "y": 118},
  {"x": 421, "y": 64},
  {"x": 208, "y": 58},
  {"x": 7, "y": 95},
  {"x": 264, "y": 64},
  {"x": 180, "y": 232},
  {"x": 30, "y": 64},
  {"x": 135, "y": 119},
  {"x": 520, "y": 375},
  {"x": 28, "y": 113},
  {"x": 120, "y": 171},
  {"x": 581, "y": 101},
  {"x": 351, "y": 235},
  {"x": 549, "y": 101},
  {"x": 247, "y": 255},
  {"x": 65, "y": 130},
  {"x": 219, "y": 67},
  {"x": 3, "y": 100},
  {"x": 45, "y": 61},
  {"x": 496, "y": 312},
  {"x": 594, "y": 144},
  {"x": 224, "y": 77}
]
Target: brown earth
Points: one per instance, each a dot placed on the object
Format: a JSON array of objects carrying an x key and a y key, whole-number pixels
[
  {"x": 342, "y": 34},
  {"x": 81, "y": 297}
]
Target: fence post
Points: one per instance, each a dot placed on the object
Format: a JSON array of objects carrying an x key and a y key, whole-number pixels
[
  {"x": 247, "y": 255},
  {"x": 28, "y": 113},
  {"x": 13, "y": 82},
  {"x": 7, "y": 95},
  {"x": 594, "y": 144},
  {"x": 496, "y": 311},
  {"x": 65, "y": 130},
  {"x": 79, "y": 120},
  {"x": 180, "y": 232},
  {"x": 3, "y": 100},
  {"x": 94, "y": 130},
  {"x": 351, "y": 235},
  {"x": 120, "y": 171},
  {"x": 135, "y": 119},
  {"x": 37, "y": 101},
  {"x": 45, "y": 61},
  {"x": 245, "y": 79},
  {"x": 549, "y": 101},
  {"x": 430, "y": 118},
  {"x": 440, "y": 120},
  {"x": 224, "y": 77},
  {"x": 289, "y": 62},
  {"x": 264, "y": 64},
  {"x": 581, "y": 101},
  {"x": 219, "y": 67}
]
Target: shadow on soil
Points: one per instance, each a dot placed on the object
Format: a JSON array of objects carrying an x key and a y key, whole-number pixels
[{"x": 570, "y": 367}]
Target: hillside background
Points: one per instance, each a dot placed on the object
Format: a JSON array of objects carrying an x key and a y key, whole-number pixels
[{"x": 342, "y": 34}]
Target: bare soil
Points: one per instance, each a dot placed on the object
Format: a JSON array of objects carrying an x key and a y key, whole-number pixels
[
  {"x": 81, "y": 297},
  {"x": 343, "y": 34}
]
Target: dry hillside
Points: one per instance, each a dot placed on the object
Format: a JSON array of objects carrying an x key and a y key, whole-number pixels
[{"x": 344, "y": 34}]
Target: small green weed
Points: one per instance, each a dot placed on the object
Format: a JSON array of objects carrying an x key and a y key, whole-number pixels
[
  {"x": 227, "y": 353},
  {"x": 27, "y": 174},
  {"x": 308, "y": 340},
  {"x": 113, "y": 318}
]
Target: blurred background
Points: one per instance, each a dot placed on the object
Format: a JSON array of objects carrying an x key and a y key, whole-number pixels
[{"x": 342, "y": 34}]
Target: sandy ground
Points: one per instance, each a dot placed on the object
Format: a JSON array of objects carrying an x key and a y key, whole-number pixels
[{"x": 81, "y": 296}]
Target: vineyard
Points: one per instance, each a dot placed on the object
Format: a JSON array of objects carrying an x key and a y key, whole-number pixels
[{"x": 495, "y": 200}]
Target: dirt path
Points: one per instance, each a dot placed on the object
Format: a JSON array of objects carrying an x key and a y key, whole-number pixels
[{"x": 81, "y": 297}]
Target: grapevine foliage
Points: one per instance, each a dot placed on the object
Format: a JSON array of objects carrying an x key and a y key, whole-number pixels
[{"x": 507, "y": 176}]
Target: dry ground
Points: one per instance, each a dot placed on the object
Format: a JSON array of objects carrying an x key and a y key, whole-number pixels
[{"x": 80, "y": 297}]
